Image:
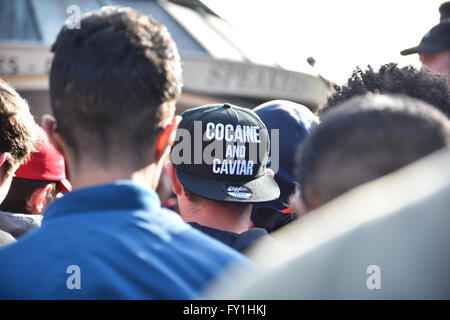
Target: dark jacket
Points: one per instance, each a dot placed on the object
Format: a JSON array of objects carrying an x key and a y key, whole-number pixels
[{"x": 238, "y": 241}]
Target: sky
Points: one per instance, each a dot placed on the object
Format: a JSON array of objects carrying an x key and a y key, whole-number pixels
[{"x": 339, "y": 35}]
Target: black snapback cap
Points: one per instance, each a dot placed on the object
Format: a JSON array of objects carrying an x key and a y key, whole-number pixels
[
  {"x": 221, "y": 152},
  {"x": 435, "y": 40}
]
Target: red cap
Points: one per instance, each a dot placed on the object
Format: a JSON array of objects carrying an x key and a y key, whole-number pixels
[{"x": 47, "y": 164}]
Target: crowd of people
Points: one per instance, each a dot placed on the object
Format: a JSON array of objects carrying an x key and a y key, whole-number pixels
[{"x": 115, "y": 196}]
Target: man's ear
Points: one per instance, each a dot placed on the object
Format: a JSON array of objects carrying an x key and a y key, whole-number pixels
[
  {"x": 38, "y": 200},
  {"x": 270, "y": 172},
  {"x": 297, "y": 204},
  {"x": 49, "y": 125},
  {"x": 172, "y": 174},
  {"x": 166, "y": 137},
  {"x": 3, "y": 157}
]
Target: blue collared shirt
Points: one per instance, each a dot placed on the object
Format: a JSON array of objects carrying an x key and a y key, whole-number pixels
[{"x": 112, "y": 242}]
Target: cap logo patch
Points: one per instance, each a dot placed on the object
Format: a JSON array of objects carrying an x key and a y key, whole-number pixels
[
  {"x": 235, "y": 164},
  {"x": 239, "y": 192}
]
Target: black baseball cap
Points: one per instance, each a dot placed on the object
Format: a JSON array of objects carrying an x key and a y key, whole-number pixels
[
  {"x": 221, "y": 153},
  {"x": 435, "y": 40}
]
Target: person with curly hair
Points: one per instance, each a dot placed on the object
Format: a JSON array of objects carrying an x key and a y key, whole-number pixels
[
  {"x": 362, "y": 139},
  {"x": 391, "y": 79}
]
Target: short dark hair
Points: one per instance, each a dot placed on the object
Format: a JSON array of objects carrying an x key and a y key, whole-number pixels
[
  {"x": 19, "y": 133},
  {"x": 109, "y": 80},
  {"x": 20, "y": 192},
  {"x": 365, "y": 138},
  {"x": 390, "y": 79}
]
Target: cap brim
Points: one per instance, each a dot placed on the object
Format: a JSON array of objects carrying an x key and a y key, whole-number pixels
[
  {"x": 428, "y": 48},
  {"x": 263, "y": 188},
  {"x": 409, "y": 51}
]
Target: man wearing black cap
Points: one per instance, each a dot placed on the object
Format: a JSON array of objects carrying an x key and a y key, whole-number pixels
[
  {"x": 218, "y": 171},
  {"x": 434, "y": 49}
]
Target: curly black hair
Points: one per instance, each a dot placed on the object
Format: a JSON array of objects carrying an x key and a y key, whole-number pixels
[{"x": 419, "y": 84}]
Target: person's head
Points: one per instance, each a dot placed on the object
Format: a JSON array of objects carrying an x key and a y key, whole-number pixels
[
  {"x": 365, "y": 138},
  {"x": 444, "y": 11},
  {"x": 434, "y": 49},
  {"x": 289, "y": 123},
  {"x": 218, "y": 167},
  {"x": 113, "y": 87},
  {"x": 37, "y": 182},
  {"x": 19, "y": 135},
  {"x": 391, "y": 79}
]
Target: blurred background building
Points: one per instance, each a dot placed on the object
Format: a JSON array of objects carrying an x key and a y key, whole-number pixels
[{"x": 218, "y": 64}]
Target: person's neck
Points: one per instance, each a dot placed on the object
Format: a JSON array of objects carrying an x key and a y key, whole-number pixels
[
  {"x": 218, "y": 216},
  {"x": 84, "y": 176}
]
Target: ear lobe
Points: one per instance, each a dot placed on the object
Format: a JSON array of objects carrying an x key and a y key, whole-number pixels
[
  {"x": 172, "y": 174},
  {"x": 167, "y": 137}
]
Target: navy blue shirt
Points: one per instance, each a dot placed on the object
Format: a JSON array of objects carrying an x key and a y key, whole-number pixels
[
  {"x": 237, "y": 241},
  {"x": 112, "y": 242}
]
